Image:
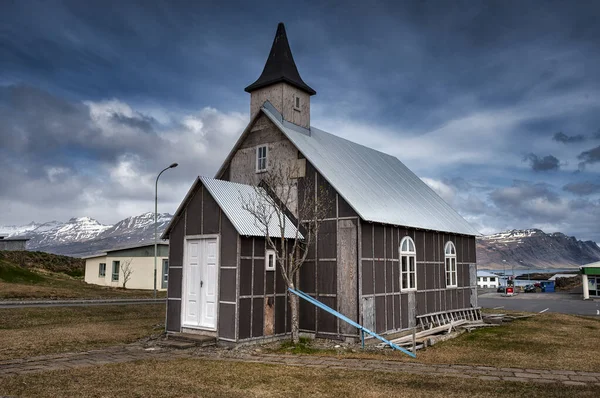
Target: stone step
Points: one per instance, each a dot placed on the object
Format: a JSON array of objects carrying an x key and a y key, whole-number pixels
[
  {"x": 179, "y": 345},
  {"x": 197, "y": 340}
]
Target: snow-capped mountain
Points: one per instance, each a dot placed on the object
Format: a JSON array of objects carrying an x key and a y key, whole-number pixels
[
  {"x": 84, "y": 235},
  {"x": 533, "y": 248}
]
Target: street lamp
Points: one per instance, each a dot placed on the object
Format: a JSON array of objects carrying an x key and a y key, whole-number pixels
[{"x": 156, "y": 220}]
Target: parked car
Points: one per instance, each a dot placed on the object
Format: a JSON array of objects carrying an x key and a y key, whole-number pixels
[
  {"x": 529, "y": 289},
  {"x": 501, "y": 289}
]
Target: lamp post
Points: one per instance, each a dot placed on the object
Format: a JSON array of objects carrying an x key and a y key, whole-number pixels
[{"x": 156, "y": 220}]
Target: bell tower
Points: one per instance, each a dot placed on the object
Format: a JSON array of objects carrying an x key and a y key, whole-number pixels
[{"x": 281, "y": 84}]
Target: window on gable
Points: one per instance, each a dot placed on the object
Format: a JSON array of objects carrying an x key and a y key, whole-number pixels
[
  {"x": 450, "y": 253},
  {"x": 115, "y": 270},
  {"x": 270, "y": 260},
  {"x": 261, "y": 158},
  {"x": 102, "y": 269},
  {"x": 296, "y": 102},
  {"x": 408, "y": 263}
]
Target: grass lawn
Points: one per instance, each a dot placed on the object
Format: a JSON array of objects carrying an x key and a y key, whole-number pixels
[
  {"x": 32, "y": 283},
  {"x": 202, "y": 378},
  {"x": 37, "y": 331},
  {"x": 546, "y": 341}
]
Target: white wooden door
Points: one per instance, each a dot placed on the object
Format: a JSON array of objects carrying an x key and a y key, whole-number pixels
[
  {"x": 192, "y": 283},
  {"x": 208, "y": 284},
  {"x": 201, "y": 284}
]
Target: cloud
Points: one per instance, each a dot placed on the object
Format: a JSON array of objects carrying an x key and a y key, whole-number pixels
[
  {"x": 565, "y": 139},
  {"x": 582, "y": 188},
  {"x": 589, "y": 157},
  {"x": 547, "y": 163},
  {"x": 64, "y": 158}
]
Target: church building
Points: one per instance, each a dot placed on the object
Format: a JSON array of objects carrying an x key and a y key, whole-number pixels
[{"x": 389, "y": 251}]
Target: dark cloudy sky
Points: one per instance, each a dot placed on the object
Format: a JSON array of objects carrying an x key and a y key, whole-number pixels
[{"x": 496, "y": 105}]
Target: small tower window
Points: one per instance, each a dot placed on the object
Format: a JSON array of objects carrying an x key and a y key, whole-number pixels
[
  {"x": 297, "y": 102},
  {"x": 261, "y": 158}
]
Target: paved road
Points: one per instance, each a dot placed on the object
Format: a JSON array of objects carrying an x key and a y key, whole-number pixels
[
  {"x": 76, "y": 303},
  {"x": 537, "y": 302}
]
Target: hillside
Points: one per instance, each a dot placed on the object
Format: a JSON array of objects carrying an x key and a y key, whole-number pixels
[
  {"x": 532, "y": 248},
  {"x": 44, "y": 261}
]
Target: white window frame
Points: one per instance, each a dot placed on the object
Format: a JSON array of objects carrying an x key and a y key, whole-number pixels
[
  {"x": 408, "y": 258},
  {"x": 101, "y": 269},
  {"x": 270, "y": 266},
  {"x": 450, "y": 265},
  {"x": 259, "y": 158},
  {"x": 118, "y": 264},
  {"x": 297, "y": 102}
]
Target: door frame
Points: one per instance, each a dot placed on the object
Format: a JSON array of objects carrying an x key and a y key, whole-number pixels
[{"x": 183, "y": 284}]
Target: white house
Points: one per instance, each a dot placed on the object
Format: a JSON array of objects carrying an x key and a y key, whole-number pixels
[
  {"x": 487, "y": 279},
  {"x": 109, "y": 268},
  {"x": 590, "y": 276}
]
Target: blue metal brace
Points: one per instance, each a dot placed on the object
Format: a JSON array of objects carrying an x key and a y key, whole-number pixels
[{"x": 344, "y": 318}]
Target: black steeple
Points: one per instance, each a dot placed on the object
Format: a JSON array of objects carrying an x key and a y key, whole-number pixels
[{"x": 280, "y": 66}]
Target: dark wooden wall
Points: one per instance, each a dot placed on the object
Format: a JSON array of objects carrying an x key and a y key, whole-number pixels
[
  {"x": 202, "y": 216},
  {"x": 380, "y": 274},
  {"x": 263, "y": 309}
]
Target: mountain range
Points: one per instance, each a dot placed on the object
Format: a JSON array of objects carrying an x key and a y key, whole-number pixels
[{"x": 78, "y": 237}]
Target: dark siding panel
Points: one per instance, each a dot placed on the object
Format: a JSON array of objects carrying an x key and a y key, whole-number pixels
[
  {"x": 379, "y": 277},
  {"x": 258, "y": 317},
  {"x": 244, "y": 318},
  {"x": 194, "y": 214},
  {"x": 444, "y": 297},
  {"x": 246, "y": 249},
  {"x": 211, "y": 214},
  {"x": 327, "y": 282},
  {"x": 431, "y": 302},
  {"x": 280, "y": 286},
  {"x": 388, "y": 277},
  {"x": 389, "y": 302},
  {"x": 421, "y": 276},
  {"x": 176, "y": 243},
  {"x": 420, "y": 244},
  {"x": 429, "y": 249},
  {"x": 307, "y": 315},
  {"x": 259, "y": 277},
  {"x": 378, "y": 241},
  {"x": 227, "y": 320},
  {"x": 245, "y": 277},
  {"x": 173, "y": 315},
  {"x": 396, "y": 278},
  {"x": 380, "y": 314},
  {"x": 174, "y": 287},
  {"x": 259, "y": 247},
  {"x": 388, "y": 241},
  {"x": 366, "y": 239},
  {"x": 228, "y": 243},
  {"x": 344, "y": 209},
  {"x": 404, "y": 310},
  {"x": 270, "y": 283},
  {"x": 421, "y": 307},
  {"x": 397, "y": 312},
  {"x": 429, "y": 276},
  {"x": 327, "y": 322},
  {"x": 327, "y": 242},
  {"x": 367, "y": 277},
  {"x": 227, "y": 285},
  {"x": 280, "y": 303},
  {"x": 329, "y": 195},
  {"x": 307, "y": 277},
  {"x": 472, "y": 250}
]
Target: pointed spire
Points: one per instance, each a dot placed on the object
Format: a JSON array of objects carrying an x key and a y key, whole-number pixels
[{"x": 280, "y": 66}]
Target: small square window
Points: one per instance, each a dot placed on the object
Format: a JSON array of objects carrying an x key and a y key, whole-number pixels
[
  {"x": 270, "y": 260},
  {"x": 261, "y": 158}
]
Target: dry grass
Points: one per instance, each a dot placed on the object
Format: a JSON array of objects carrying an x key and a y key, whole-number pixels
[
  {"x": 201, "y": 378},
  {"x": 37, "y": 331},
  {"x": 546, "y": 341}
]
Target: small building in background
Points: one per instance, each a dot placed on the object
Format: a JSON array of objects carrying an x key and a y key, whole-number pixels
[
  {"x": 13, "y": 244},
  {"x": 557, "y": 276},
  {"x": 487, "y": 279},
  {"x": 109, "y": 268},
  {"x": 590, "y": 275}
]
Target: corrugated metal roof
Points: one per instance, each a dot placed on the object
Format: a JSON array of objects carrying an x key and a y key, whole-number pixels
[
  {"x": 379, "y": 187},
  {"x": 231, "y": 196}
]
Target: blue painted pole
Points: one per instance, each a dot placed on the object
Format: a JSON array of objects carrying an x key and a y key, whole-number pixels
[{"x": 350, "y": 321}]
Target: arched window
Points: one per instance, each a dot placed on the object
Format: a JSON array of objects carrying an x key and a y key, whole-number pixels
[
  {"x": 408, "y": 260},
  {"x": 450, "y": 252}
]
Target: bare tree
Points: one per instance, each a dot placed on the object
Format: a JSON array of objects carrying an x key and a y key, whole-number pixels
[
  {"x": 127, "y": 271},
  {"x": 283, "y": 195}
]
